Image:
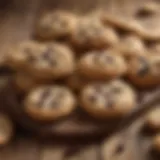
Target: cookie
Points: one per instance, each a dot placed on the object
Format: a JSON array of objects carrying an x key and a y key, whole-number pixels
[
  {"x": 108, "y": 100},
  {"x": 156, "y": 142},
  {"x": 104, "y": 64},
  {"x": 152, "y": 119},
  {"x": 147, "y": 9},
  {"x": 47, "y": 61},
  {"x": 122, "y": 22},
  {"x": 90, "y": 33},
  {"x": 131, "y": 45},
  {"x": 51, "y": 102},
  {"x": 144, "y": 71},
  {"x": 57, "y": 24},
  {"x": 25, "y": 82},
  {"x": 148, "y": 17},
  {"x": 17, "y": 55},
  {"x": 6, "y": 129}
]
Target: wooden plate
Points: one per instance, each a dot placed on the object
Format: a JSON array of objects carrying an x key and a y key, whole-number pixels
[{"x": 16, "y": 25}]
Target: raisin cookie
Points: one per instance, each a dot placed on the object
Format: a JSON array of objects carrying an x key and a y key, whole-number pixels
[
  {"x": 55, "y": 25},
  {"x": 6, "y": 129},
  {"x": 47, "y": 103},
  {"x": 90, "y": 33},
  {"x": 131, "y": 45},
  {"x": 152, "y": 119},
  {"x": 114, "y": 99},
  {"x": 50, "y": 60},
  {"x": 104, "y": 64},
  {"x": 144, "y": 71}
]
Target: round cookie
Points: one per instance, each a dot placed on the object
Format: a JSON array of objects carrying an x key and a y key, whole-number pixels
[
  {"x": 148, "y": 17},
  {"x": 17, "y": 55},
  {"x": 50, "y": 60},
  {"x": 144, "y": 71},
  {"x": 123, "y": 22},
  {"x": 47, "y": 103},
  {"x": 156, "y": 142},
  {"x": 108, "y": 100},
  {"x": 152, "y": 119},
  {"x": 104, "y": 64},
  {"x": 55, "y": 24},
  {"x": 147, "y": 9},
  {"x": 6, "y": 129},
  {"x": 90, "y": 33},
  {"x": 131, "y": 45}
]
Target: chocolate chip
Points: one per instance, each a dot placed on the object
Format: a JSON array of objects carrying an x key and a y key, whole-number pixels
[
  {"x": 116, "y": 89},
  {"x": 29, "y": 54},
  {"x": 108, "y": 59},
  {"x": 98, "y": 88},
  {"x": 119, "y": 149},
  {"x": 47, "y": 56},
  {"x": 109, "y": 100},
  {"x": 43, "y": 97},
  {"x": 55, "y": 103},
  {"x": 144, "y": 13},
  {"x": 144, "y": 68},
  {"x": 92, "y": 98}
]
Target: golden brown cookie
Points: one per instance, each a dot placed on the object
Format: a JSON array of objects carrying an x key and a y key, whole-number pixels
[
  {"x": 105, "y": 64},
  {"x": 90, "y": 33},
  {"x": 50, "y": 102},
  {"x": 106, "y": 100},
  {"x": 55, "y": 24},
  {"x": 131, "y": 45},
  {"x": 44, "y": 61},
  {"x": 144, "y": 71}
]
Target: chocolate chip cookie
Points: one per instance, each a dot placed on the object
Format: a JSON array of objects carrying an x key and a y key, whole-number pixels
[
  {"x": 144, "y": 71},
  {"x": 90, "y": 33},
  {"x": 104, "y": 64},
  {"x": 17, "y": 56},
  {"x": 50, "y": 102},
  {"x": 57, "y": 24},
  {"x": 106, "y": 100},
  {"x": 45, "y": 61},
  {"x": 131, "y": 45}
]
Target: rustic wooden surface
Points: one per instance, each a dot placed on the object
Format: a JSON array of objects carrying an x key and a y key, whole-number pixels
[{"x": 16, "y": 23}]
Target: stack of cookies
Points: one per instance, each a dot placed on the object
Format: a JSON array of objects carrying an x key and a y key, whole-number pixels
[
  {"x": 86, "y": 61},
  {"x": 80, "y": 60}
]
